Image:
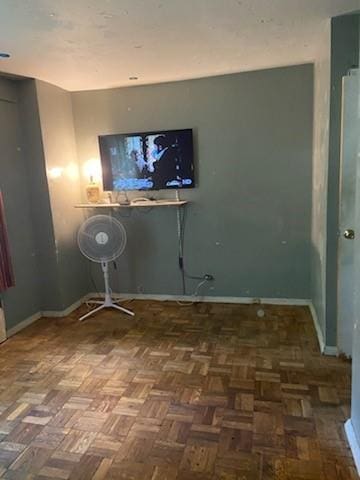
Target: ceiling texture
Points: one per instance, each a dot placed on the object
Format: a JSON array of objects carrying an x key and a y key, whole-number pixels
[{"x": 92, "y": 44}]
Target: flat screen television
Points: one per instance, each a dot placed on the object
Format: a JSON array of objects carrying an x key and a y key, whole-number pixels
[{"x": 147, "y": 160}]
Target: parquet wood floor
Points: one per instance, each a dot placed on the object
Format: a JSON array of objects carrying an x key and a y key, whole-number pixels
[{"x": 202, "y": 392}]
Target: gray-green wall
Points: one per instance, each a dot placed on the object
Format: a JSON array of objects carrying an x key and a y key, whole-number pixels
[
  {"x": 23, "y": 300},
  {"x": 320, "y": 161},
  {"x": 36, "y": 135},
  {"x": 64, "y": 191},
  {"x": 39, "y": 201},
  {"x": 248, "y": 223}
]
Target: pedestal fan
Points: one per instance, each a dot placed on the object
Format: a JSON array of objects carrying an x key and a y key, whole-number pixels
[{"x": 102, "y": 239}]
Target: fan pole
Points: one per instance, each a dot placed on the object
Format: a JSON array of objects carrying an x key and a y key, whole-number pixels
[{"x": 105, "y": 268}]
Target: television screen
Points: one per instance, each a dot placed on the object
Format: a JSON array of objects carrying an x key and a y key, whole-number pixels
[{"x": 147, "y": 161}]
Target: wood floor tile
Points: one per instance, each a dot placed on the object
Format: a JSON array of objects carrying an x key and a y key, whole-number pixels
[
  {"x": 199, "y": 457},
  {"x": 268, "y": 423},
  {"x": 50, "y": 437},
  {"x": 23, "y": 433},
  {"x": 91, "y": 421},
  {"x": 31, "y": 459},
  {"x": 199, "y": 392},
  {"x": 86, "y": 468},
  {"x": 77, "y": 441}
]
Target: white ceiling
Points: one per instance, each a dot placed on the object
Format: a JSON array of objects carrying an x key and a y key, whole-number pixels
[{"x": 88, "y": 44}]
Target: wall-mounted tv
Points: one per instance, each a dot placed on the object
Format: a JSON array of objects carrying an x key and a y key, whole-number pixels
[{"x": 147, "y": 160}]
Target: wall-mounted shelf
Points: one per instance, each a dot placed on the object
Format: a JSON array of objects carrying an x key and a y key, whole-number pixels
[{"x": 147, "y": 204}]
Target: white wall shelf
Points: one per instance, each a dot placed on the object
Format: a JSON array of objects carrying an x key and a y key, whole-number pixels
[{"x": 139, "y": 204}]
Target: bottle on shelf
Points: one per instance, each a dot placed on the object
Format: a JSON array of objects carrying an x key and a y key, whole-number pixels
[{"x": 92, "y": 191}]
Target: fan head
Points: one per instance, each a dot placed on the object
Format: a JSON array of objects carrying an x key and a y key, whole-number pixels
[{"x": 102, "y": 238}]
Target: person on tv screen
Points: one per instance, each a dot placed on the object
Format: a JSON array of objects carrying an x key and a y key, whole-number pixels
[
  {"x": 166, "y": 164},
  {"x": 138, "y": 164}
]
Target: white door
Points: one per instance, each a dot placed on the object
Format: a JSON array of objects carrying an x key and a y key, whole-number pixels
[
  {"x": 2, "y": 325},
  {"x": 347, "y": 231},
  {"x": 354, "y": 425}
]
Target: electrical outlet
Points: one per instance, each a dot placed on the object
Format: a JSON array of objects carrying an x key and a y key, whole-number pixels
[{"x": 208, "y": 277}]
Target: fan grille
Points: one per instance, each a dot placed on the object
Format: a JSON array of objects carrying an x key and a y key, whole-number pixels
[{"x": 102, "y": 238}]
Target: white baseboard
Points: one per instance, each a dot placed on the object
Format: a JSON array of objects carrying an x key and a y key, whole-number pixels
[
  {"x": 67, "y": 311},
  {"x": 324, "y": 349},
  {"x": 319, "y": 333},
  {"x": 47, "y": 313},
  {"x": 3, "y": 335},
  {"x": 330, "y": 351},
  {"x": 208, "y": 299},
  {"x": 25, "y": 323},
  {"x": 353, "y": 442}
]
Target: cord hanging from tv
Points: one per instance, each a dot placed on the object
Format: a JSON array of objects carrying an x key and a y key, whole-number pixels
[{"x": 147, "y": 160}]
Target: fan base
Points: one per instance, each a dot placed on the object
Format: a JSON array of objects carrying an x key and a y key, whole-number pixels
[{"x": 108, "y": 303}]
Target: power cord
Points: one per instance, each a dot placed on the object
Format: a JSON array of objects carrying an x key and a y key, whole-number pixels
[
  {"x": 181, "y": 217},
  {"x": 194, "y": 295}
]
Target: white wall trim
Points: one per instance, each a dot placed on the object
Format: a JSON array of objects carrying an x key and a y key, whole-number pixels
[
  {"x": 47, "y": 313},
  {"x": 324, "y": 349},
  {"x": 319, "y": 333},
  {"x": 330, "y": 351},
  {"x": 353, "y": 442},
  {"x": 209, "y": 299},
  {"x": 3, "y": 334},
  {"x": 25, "y": 323},
  {"x": 67, "y": 311}
]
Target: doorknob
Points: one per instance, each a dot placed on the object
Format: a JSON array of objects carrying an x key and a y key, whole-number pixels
[{"x": 349, "y": 234}]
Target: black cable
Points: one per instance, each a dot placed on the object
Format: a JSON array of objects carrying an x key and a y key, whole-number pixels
[
  {"x": 183, "y": 282},
  {"x": 90, "y": 263},
  {"x": 180, "y": 226},
  {"x": 182, "y": 218}
]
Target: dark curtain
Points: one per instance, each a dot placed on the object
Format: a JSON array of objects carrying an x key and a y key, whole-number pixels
[{"x": 6, "y": 271}]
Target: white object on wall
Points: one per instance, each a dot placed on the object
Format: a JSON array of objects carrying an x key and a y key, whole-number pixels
[
  {"x": 347, "y": 203},
  {"x": 2, "y": 325}
]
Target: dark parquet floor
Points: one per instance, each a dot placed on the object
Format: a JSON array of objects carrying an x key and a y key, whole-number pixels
[{"x": 209, "y": 391}]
